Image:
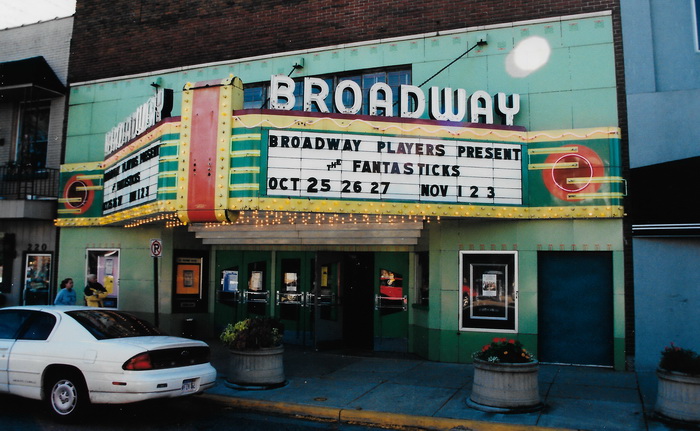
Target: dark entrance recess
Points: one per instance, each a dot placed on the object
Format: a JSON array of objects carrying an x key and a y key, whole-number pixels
[
  {"x": 575, "y": 308},
  {"x": 358, "y": 295},
  {"x": 344, "y": 313}
]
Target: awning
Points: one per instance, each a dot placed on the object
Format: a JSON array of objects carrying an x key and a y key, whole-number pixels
[
  {"x": 29, "y": 79},
  {"x": 361, "y": 234}
]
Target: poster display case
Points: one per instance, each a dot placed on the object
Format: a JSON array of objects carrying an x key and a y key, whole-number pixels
[
  {"x": 190, "y": 271},
  {"x": 257, "y": 295},
  {"x": 229, "y": 293},
  {"x": 390, "y": 298},
  {"x": 488, "y": 292}
]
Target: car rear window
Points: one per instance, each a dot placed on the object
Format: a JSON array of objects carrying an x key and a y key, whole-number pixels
[
  {"x": 38, "y": 326},
  {"x": 106, "y": 324}
]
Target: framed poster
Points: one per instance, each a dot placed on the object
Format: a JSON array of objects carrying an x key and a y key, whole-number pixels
[
  {"x": 489, "y": 301},
  {"x": 189, "y": 276},
  {"x": 189, "y": 281},
  {"x": 256, "y": 281},
  {"x": 290, "y": 281},
  {"x": 229, "y": 281},
  {"x": 488, "y": 291}
]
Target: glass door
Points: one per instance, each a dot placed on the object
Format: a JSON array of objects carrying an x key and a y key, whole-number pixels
[{"x": 326, "y": 301}]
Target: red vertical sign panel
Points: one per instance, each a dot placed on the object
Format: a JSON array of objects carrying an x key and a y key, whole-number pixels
[{"x": 202, "y": 166}]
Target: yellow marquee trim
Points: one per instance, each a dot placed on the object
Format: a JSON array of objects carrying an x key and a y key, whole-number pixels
[
  {"x": 245, "y": 170},
  {"x": 246, "y": 137},
  {"x": 243, "y": 186},
  {"x": 556, "y": 150},
  {"x": 425, "y": 209},
  {"x": 82, "y": 167},
  {"x": 361, "y": 125},
  {"x": 245, "y": 153},
  {"x": 595, "y": 180},
  {"x": 543, "y": 166},
  {"x": 90, "y": 177}
]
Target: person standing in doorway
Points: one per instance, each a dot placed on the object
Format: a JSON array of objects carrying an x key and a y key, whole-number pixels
[{"x": 94, "y": 291}]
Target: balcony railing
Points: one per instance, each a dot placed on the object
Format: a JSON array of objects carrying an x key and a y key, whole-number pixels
[{"x": 28, "y": 183}]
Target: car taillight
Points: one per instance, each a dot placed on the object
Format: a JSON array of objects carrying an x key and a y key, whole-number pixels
[{"x": 139, "y": 362}]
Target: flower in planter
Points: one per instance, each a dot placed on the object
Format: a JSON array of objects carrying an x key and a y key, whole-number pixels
[
  {"x": 253, "y": 333},
  {"x": 504, "y": 350},
  {"x": 674, "y": 358}
]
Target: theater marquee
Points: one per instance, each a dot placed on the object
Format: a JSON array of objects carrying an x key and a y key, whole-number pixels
[{"x": 217, "y": 160}]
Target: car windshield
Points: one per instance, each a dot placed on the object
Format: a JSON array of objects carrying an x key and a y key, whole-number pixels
[{"x": 106, "y": 324}]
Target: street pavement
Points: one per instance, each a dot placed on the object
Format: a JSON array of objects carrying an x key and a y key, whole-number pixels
[{"x": 390, "y": 390}]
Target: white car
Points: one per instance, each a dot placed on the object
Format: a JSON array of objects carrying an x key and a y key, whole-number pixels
[{"x": 73, "y": 356}]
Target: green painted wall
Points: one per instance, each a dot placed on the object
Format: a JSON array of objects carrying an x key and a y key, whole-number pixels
[
  {"x": 436, "y": 328},
  {"x": 136, "y": 278}
]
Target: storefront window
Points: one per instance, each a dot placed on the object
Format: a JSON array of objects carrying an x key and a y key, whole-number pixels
[
  {"x": 32, "y": 139},
  {"x": 488, "y": 291},
  {"x": 37, "y": 279}
]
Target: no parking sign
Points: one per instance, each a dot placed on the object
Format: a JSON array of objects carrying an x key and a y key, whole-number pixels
[{"x": 156, "y": 248}]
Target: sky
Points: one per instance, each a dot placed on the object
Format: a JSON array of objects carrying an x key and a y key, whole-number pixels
[{"x": 14, "y": 13}]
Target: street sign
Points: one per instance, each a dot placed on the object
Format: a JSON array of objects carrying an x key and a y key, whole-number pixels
[{"x": 156, "y": 248}]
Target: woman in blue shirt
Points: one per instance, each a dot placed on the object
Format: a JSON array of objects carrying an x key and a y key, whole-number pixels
[{"x": 66, "y": 296}]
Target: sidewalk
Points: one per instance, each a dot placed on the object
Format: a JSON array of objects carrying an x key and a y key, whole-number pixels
[{"x": 387, "y": 390}]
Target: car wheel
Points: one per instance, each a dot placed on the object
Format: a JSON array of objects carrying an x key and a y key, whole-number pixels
[{"x": 66, "y": 394}]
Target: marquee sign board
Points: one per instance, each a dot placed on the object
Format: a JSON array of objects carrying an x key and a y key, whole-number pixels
[
  {"x": 133, "y": 181},
  {"x": 382, "y": 167}
]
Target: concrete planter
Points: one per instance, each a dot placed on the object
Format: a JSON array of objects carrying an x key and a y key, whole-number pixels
[
  {"x": 678, "y": 396},
  {"x": 263, "y": 367},
  {"x": 505, "y": 387}
]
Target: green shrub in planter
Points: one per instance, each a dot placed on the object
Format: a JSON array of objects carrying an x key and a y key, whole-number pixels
[{"x": 253, "y": 333}]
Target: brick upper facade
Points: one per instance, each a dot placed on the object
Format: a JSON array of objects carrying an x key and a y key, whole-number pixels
[{"x": 124, "y": 37}]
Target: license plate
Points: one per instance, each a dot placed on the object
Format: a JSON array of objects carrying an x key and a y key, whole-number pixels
[{"x": 189, "y": 385}]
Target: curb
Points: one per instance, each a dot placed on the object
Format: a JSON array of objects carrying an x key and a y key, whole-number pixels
[{"x": 369, "y": 417}]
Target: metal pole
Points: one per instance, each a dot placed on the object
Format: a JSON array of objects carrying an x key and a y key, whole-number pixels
[{"x": 155, "y": 291}]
